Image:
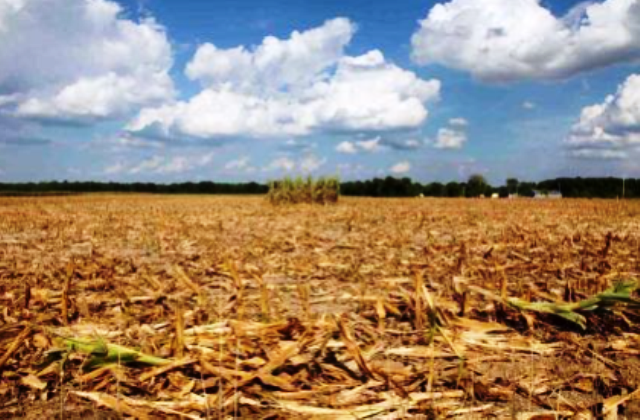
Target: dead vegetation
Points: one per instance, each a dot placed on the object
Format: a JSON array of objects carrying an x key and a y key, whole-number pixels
[
  {"x": 218, "y": 307},
  {"x": 299, "y": 190}
]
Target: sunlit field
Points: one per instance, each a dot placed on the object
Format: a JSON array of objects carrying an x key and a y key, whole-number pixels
[{"x": 216, "y": 307}]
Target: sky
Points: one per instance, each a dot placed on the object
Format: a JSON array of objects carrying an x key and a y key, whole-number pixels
[{"x": 241, "y": 90}]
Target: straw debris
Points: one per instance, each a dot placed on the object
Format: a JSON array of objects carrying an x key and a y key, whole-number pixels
[{"x": 218, "y": 307}]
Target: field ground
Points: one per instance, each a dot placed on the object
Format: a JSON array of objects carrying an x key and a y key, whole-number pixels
[{"x": 372, "y": 308}]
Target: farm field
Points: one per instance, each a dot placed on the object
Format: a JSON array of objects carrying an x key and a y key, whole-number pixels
[{"x": 194, "y": 307}]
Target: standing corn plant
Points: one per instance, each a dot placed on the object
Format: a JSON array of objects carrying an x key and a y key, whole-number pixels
[{"x": 289, "y": 191}]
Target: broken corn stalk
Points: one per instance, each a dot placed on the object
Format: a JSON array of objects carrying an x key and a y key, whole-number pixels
[
  {"x": 619, "y": 293},
  {"x": 103, "y": 353}
]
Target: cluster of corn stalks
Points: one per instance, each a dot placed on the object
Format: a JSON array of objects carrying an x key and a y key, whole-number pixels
[{"x": 299, "y": 190}]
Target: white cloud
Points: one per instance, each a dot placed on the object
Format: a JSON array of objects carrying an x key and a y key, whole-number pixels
[
  {"x": 613, "y": 125},
  {"x": 124, "y": 141},
  {"x": 346, "y": 147},
  {"x": 175, "y": 165},
  {"x": 238, "y": 164},
  {"x": 282, "y": 163},
  {"x": 454, "y": 136},
  {"x": 80, "y": 60},
  {"x": 293, "y": 87},
  {"x": 412, "y": 144},
  {"x": 469, "y": 166},
  {"x": 148, "y": 165},
  {"x": 311, "y": 163},
  {"x": 372, "y": 145},
  {"x": 161, "y": 165},
  {"x": 275, "y": 64},
  {"x": 306, "y": 164},
  {"x": 458, "y": 122},
  {"x": 74, "y": 171},
  {"x": 9, "y": 99},
  {"x": 115, "y": 169},
  {"x": 508, "y": 40},
  {"x": 528, "y": 105},
  {"x": 398, "y": 144},
  {"x": 350, "y": 169},
  {"x": 205, "y": 159},
  {"x": 298, "y": 145},
  {"x": 401, "y": 168},
  {"x": 450, "y": 139},
  {"x": 598, "y": 154},
  {"x": 90, "y": 99}
]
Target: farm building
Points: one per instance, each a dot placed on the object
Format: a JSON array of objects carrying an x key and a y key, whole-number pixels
[{"x": 547, "y": 194}]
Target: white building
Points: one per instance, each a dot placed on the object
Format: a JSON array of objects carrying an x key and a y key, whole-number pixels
[{"x": 547, "y": 194}]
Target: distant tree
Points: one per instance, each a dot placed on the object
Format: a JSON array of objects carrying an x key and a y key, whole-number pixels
[
  {"x": 453, "y": 189},
  {"x": 477, "y": 185},
  {"x": 435, "y": 189},
  {"x": 512, "y": 185},
  {"x": 525, "y": 189}
]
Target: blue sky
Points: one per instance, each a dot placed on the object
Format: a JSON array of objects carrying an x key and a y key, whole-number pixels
[{"x": 236, "y": 90}]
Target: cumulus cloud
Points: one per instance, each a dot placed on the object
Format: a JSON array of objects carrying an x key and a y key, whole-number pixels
[
  {"x": 162, "y": 165},
  {"x": 152, "y": 164},
  {"x": 509, "y": 40},
  {"x": 412, "y": 144},
  {"x": 598, "y": 154},
  {"x": 401, "y": 168},
  {"x": 298, "y": 145},
  {"x": 346, "y": 147},
  {"x": 528, "y": 105},
  {"x": 401, "y": 145},
  {"x": 377, "y": 144},
  {"x": 79, "y": 60},
  {"x": 115, "y": 169},
  {"x": 238, "y": 164},
  {"x": 311, "y": 163},
  {"x": 306, "y": 164},
  {"x": 452, "y": 137},
  {"x": 282, "y": 163},
  {"x": 275, "y": 64},
  {"x": 293, "y": 87},
  {"x": 124, "y": 142},
  {"x": 612, "y": 126},
  {"x": 350, "y": 169},
  {"x": 458, "y": 122},
  {"x": 371, "y": 145}
]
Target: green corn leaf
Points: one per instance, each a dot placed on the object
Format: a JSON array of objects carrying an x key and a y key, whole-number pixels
[{"x": 103, "y": 353}]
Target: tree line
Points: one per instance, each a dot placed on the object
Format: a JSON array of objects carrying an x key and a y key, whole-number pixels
[
  {"x": 475, "y": 186},
  {"x": 204, "y": 187}
]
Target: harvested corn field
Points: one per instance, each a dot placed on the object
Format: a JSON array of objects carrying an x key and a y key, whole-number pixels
[{"x": 221, "y": 307}]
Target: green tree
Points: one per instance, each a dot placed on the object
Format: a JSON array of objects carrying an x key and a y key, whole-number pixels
[
  {"x": 435, "y": 189},
  {"x": 512, "y": 185},
  {"x": 453, "y": 189},
  {"x": 477, "y": 185}
]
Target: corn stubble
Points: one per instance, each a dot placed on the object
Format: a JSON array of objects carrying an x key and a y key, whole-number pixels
[{"x": 212, "y": 307}]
